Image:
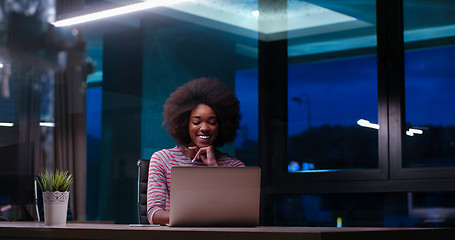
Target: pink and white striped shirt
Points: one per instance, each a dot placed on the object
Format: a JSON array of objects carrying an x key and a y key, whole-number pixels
[{"x": 159, "y": 176}]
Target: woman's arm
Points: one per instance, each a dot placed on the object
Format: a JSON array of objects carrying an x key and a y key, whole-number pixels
[{"x": 156, "y": 188}]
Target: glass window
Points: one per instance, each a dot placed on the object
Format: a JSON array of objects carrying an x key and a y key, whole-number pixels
[
  {"x": 140, "y": 59},
  {"x": 429, "y": 84},
  {"x": 47, "y": 123},
  {"x": 246, "y": 89},
  {"x": 332, "y": 89},
  {"x": 7, "y": 96},
  {"x": 93, "y": 150},
  {"x": 26, "y": 125}
]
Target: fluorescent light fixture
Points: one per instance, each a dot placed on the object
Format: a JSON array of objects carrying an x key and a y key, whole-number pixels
[
  {"x": 416, "y": 131},
  {"x": 1, "y": 65},
  {"x": 6, "y": 124},
  {"x": 413, "y": 131},
  {"x": 42, "y": 124},
  {"x": 114, "y": 12},
  {"x": 366, "y": 123},
  {"x": 47, "y": 124},
  {"x": 255, "y": 13}
]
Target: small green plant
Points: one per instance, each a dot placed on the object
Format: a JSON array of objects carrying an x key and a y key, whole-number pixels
[{"x": 55, "y": 181}]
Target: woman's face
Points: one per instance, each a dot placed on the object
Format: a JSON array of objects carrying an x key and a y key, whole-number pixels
[{"x": 203, "y": 126}]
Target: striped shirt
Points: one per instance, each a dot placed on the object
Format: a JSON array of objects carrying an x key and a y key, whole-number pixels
[{"x": 159, "y": 176}]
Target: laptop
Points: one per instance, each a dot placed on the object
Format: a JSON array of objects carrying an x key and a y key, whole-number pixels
[{"x": 215, "y": 196}]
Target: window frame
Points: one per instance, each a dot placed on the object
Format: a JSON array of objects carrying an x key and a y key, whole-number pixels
[{"x": 389, "y": 176}]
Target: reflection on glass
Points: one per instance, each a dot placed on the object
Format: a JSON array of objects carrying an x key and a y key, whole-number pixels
[
  {"x": 429, "y": 84},
  {"x": 141, "y": 58},
  {"x": 7, "y": 96},
  {"x": 26, "y": 116},
  {"x": 332, "y": 88},
  {"x": 430, "y": 119},
  {"x": 246, "y": 89},
  {"x": 329, "y": 103},
  {"x": 400, "y": 209}
]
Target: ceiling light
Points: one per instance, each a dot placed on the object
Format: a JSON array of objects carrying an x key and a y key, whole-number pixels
[
  {"x": 42, "y": 124},
  {"x": 255, "y": 13},
  {"x": 415, "y": 131},
  {"x": 47, "y": 124},
  {"x": 366, "y": 123},
  {"x": 6, "y": 124},
  {"x": 114, "y": 12}
]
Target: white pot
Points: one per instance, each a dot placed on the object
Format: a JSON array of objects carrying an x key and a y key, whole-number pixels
[{"x": 55, "y": 208}]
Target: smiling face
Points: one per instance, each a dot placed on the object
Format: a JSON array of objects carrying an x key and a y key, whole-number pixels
[{"x": 203, "y": 126}]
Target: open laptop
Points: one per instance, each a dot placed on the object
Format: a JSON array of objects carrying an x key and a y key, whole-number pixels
[{"x": 215, "y": 196}]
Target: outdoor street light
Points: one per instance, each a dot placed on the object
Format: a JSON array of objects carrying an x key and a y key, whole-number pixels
[{"x": 304, "y": 98}]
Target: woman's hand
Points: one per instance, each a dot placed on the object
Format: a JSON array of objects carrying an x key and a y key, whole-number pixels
[{"x": 206, "y": 155}]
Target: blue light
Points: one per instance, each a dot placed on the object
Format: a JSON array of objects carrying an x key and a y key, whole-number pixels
[{"x": 293, "y": 166}]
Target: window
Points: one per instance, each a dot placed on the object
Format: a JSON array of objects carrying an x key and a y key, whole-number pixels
[
  {"x": 429, "y": 84},
  {"x": 140, "y": 60},
  {"x": 329, "y": 106},
  {"x": 333, "y": 107},
  {"x": 332, "y": 90}
]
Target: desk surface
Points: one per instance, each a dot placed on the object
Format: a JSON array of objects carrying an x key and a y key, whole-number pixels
[{"x": 95, "y": 231}]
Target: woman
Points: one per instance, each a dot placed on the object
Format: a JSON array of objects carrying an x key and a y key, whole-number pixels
[{"x": 201, "y": 116}]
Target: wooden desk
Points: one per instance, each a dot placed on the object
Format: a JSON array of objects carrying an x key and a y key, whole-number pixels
[{"x": 96, "y": 231}]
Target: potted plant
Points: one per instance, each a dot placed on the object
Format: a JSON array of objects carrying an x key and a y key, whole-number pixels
[{"x": 55, "y": 186}]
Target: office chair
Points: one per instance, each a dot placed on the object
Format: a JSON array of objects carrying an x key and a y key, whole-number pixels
[{"x": 142, "y": 178}]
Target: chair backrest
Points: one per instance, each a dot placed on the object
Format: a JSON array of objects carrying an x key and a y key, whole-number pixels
[{"x": 142, "y": 178}]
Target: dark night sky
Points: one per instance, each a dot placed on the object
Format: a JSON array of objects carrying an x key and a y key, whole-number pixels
[
  {"x": 430, "y": 86},
  {"x": 344, "y": 91}
]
